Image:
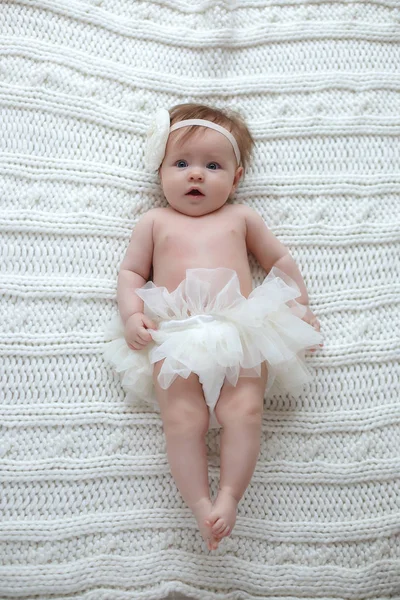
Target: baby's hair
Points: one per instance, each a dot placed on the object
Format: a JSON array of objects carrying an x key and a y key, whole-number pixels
[{"x": 229, "y": 119}]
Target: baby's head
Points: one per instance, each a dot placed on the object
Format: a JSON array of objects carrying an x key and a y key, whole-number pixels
[
  {"x": 229, "y": 119},
  {"x": 200, "y": 162}
]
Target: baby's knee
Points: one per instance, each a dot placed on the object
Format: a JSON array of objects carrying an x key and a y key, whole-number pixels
[
  {"x": 186, "y": 418},
  {"x": 247, "y": 411}
]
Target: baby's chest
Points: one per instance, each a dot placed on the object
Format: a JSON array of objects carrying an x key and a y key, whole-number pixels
[{"x": 194, "y": 240}]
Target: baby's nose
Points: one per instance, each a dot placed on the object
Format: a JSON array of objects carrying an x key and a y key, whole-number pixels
[{"x": 196, "y": 175}]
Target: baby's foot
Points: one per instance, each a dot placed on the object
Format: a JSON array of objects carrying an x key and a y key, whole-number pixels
[
  {"x": 201, "y": 511},
  {"x": 223, "y": 515}
]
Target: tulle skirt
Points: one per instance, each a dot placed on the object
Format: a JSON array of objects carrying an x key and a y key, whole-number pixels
[{"x": 207, "y": 327}]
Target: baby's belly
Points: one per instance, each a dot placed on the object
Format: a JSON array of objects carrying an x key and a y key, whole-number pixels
[
  {"x": 179, "y": 250},
  {"x": 169, "y": 274}
]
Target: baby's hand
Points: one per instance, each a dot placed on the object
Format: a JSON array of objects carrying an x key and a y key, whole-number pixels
[
  {"x": 310, "y": 318},
  {"x": 136, "y": 334}
]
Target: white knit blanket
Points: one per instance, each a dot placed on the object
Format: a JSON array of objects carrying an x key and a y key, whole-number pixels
[{"x": 88, "y": 508}]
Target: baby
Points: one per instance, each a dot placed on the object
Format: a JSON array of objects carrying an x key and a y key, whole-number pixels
[{"x": 207, "y": 342}]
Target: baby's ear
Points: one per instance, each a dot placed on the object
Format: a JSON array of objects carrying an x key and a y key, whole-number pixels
[
  {"x": 237, "y": 178},
  {"x": 239, "y": 173}
]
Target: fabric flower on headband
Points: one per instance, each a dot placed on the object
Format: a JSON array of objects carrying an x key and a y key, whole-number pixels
[{"x": 157, "y": 138}]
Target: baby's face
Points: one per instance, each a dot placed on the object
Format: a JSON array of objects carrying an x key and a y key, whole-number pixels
[{"x": 204, "y": 162}]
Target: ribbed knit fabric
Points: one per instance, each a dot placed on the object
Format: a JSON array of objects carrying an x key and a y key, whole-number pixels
[{"x": 88, "y": 508}]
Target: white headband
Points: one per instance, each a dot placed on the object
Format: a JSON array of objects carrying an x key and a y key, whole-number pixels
[
  {"x": 158, "y": 133},
  {"x": 211, "y": 125}
]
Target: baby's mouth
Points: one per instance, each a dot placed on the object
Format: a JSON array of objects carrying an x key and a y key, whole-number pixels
[{"x": 195, "y": 192}]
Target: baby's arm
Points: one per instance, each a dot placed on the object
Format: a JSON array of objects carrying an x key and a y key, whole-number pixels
[
  {"x": 134, "y": 272},
  {"x": 270, "y": 252}
]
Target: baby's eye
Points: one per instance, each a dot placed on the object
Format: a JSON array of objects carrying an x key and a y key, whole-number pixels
[
  {"x": 213, "y": 166},
  {"x": 181, "y": 163}
]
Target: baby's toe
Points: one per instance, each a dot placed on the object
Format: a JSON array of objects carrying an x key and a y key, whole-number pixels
[
  {"x": 218, "y": 527},
  {"x": 213, "y": 544},
  {"x": 224, "y": 533}
]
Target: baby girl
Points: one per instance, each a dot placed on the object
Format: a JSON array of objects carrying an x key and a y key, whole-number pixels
[{"x": 198, "y": 335}]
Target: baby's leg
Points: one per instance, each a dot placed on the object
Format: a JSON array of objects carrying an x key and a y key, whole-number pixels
[
  {"x": 239, "y": 411},
  {"x": 185, "y": 419}
]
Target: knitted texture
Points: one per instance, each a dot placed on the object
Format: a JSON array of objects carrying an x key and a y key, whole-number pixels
[{"x": 88, "y": 506}]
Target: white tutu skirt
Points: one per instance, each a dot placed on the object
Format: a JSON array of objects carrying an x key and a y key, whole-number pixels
[{"x": 207, "y": 327}]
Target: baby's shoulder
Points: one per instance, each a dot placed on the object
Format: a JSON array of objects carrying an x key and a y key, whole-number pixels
[
  {"x": 242, "y": 210},
  {"x": 159, "y": 212},
  {"x": 151, "y": 215}
]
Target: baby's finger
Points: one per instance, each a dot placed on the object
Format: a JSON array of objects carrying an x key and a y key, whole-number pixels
[
  {"x": 144, "y": 335},
  {"x": 314, "y": 348},
  {"x": 135, "y": 347},
  {"x": 138, "y": 344}
]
